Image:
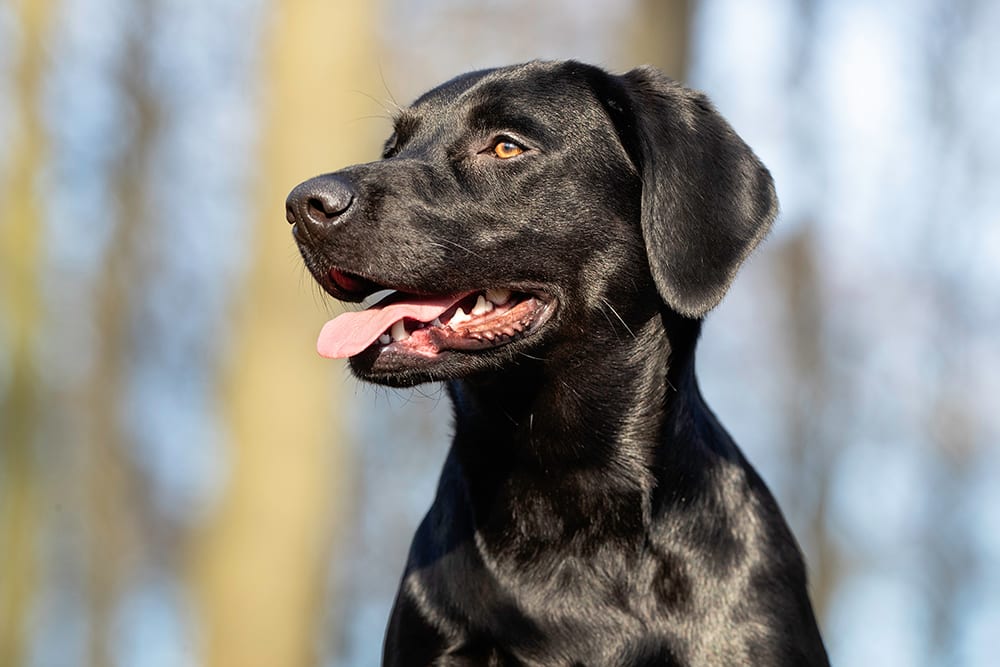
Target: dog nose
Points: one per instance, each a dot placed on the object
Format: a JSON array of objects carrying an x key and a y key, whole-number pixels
[{"x": 319, "y": 203}]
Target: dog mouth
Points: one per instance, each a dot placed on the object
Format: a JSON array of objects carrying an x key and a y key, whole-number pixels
[{"x": 425, "y": 326}]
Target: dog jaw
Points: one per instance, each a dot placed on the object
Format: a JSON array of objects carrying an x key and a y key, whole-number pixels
[{"x": 403, "y": 329}]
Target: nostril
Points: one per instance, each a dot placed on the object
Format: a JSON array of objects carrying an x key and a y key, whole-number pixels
[
  {"x": 321, "y": 208},
  {"x": 290, "y": 214}
]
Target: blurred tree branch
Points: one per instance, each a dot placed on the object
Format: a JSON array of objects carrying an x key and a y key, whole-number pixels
[{"x": 20, "y": 401}]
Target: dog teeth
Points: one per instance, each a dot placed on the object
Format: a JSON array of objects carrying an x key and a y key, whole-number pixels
[
  {"x": 482, "y": 306},
  {"x": 385, "y": 339},
  {"x": 437, "y": 322},
  {"x": 498, "y": 296},
  {"x": 458, "y": 318},
  {"x": 398, "y": 331}
]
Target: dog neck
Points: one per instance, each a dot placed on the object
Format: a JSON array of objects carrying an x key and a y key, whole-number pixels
[{"x": 545, "y": 440}]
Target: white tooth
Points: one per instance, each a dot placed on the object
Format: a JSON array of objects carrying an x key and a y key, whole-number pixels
[
  {"x": 482, "y": 306},
  {"x": 399, "y": 331},
  {"x": 499, "y": 296},
  {"x": 436, "y": 322},
  {"x": 459, "y": 317},
  {"x": 372, "y": 299},
  {"x": 385, "y": 339}
]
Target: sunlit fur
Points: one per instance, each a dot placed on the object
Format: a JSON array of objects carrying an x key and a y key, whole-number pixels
[{"x": 592, "y": 510}]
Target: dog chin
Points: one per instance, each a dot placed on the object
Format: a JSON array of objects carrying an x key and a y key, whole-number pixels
[
  {"x": 402, "y": 367},
  {"x": 402, "y": 371}
]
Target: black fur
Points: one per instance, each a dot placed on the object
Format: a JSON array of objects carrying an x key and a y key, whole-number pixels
[{"x": 592, "y": 510}]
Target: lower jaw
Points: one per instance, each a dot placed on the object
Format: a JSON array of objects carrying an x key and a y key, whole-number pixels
[
  {"x": 397, "y": 370},
  {"x": 430, "y": 342},
  {"x": 393, "y": 369}
]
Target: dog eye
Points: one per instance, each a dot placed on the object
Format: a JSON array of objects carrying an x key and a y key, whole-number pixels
[
  {"x": 391, "y": 148},
  {"x": 506, "y": 149}
]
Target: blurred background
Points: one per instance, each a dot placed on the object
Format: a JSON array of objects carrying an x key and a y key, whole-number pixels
[{"x": 184, "y": 482}]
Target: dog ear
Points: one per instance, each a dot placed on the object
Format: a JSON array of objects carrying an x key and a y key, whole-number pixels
[{"x": 707, "y": 201}]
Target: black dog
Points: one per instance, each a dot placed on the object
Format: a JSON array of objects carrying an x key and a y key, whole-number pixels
[{"x": 554, "y": 234}]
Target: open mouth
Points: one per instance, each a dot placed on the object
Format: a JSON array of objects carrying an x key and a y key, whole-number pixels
[{"x": 425, "y": 326}]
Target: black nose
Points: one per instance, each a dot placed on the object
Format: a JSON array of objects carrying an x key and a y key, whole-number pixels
[{"x": 319, "y": 203}]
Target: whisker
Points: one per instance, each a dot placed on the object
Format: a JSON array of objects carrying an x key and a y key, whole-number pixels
[
  {"x": 605, "y": 301},
  {"x": 390, "y": 113},
  {"x": 611, "y": 324},
  {"x": 459, "y": 246},
  {"x": 372, "y": 117},
  {"x": 571, "y": 390},
  {"x": 392, "y": 98}
]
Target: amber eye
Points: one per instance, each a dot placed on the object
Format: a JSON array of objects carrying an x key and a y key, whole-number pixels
[{"x": 506, "y": 149}]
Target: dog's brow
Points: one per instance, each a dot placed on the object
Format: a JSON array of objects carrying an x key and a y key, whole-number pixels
[
  {"x": 405, "y": 124},
  {"x": 493, "y": 116}
]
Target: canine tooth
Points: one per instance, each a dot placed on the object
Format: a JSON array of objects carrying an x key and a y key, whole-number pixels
[
  {"x": 497, "y": 295},
  {"x": 399, "y": 331},
  {"x": 459, "y": 317},
  {"x": 482, "y": 306},
  {"x": 385, "y": 339},
  {"x": 436, "y": 322}
]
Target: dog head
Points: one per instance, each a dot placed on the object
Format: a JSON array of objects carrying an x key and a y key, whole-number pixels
[{"x": 525, "y": 211}]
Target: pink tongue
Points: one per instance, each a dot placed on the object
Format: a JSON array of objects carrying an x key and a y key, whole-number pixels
[{"x": 350, "y": 333}]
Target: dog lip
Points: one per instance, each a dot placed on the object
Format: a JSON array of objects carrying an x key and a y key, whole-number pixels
[
  {"x": 347, "y": 282},
  {"x": 349, "y": 286},
  {"x": 355, "y": 287}
]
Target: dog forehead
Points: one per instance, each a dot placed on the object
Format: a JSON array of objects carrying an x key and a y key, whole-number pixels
[{"x": 542, "y": 90}]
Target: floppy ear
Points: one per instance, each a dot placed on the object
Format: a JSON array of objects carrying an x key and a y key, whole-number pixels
[{"x": 707, "y": 201}]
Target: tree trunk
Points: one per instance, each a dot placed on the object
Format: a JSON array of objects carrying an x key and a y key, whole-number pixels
[
  {"x": 662, "y": 36},
  {"x": 112, "y": 488},
  {"x": 20, "y": 391},
  {"x": 261, "y": 563}
]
